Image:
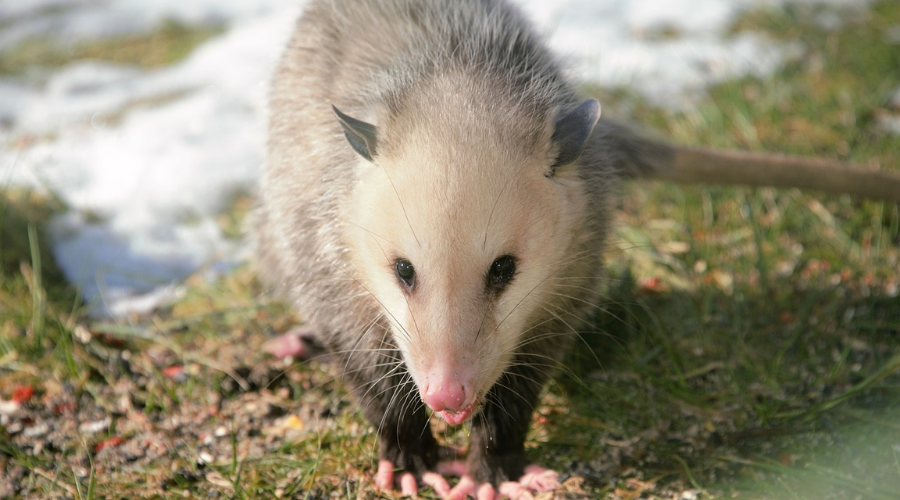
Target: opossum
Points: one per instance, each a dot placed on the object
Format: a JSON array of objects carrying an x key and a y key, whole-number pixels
[{"x": 435, "y": 204}]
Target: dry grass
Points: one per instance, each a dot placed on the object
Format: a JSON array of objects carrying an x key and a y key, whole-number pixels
[{"x": 170, "y": 43}]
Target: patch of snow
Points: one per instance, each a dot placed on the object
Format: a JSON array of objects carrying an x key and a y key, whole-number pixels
[
  {"x": 70, "y": 21},
  {"x": 21, "y": 8},
  {"x": 894, "y": 100},
  {"x": 889, "y": 119},
  {"x": 610, "y": 43},
  {"x": 146, "y": 159},
  {"x": 14, "y": 97}
]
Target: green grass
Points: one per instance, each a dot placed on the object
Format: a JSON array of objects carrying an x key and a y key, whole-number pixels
[
  {"x": 782, "y": 313},
  {"x": 749, "y": 345},
  {"x": 168, "y": 44}
]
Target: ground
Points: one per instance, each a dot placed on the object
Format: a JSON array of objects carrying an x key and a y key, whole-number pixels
[{"x": 748, "y": 345}]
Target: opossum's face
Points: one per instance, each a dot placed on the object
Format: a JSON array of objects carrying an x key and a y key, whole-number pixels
[{"x": 461, "y": 238}]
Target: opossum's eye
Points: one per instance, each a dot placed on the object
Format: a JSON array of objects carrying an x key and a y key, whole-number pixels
[
  {"x": 501, "y": 272},
  {"x": 405, "y": 272}
]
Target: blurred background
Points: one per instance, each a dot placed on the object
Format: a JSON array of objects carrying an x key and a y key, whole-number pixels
[
  {"x": 146, "y": 119},
  {"x": 751, "y": 336}
]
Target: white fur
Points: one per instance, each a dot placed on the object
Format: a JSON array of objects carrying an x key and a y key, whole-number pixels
[{"x": 452, "y": 195}]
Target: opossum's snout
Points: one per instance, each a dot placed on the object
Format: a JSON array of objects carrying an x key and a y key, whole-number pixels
[
  {"x": 452, "y": 380},
  {"x": 449, "y": 395}
]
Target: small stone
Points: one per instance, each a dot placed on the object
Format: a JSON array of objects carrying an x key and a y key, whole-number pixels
[
  {"x": 36, "y": 430},
  {"x": 218, "y": 480},
  {"x": 94, "y": 427},
  {"x": 689, "y": 495},
  {"x": 82, "y": 334},
  {"x": 205, "y": 457},
  {"x": 9, "y": 407},
  {"x": 221, "y": 431},
  {"x": 894, "y": 101},
  {"x": 7, "y": 489}
]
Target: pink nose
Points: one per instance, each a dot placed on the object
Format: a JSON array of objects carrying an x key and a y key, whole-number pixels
[{"x": 444, "y": 394}]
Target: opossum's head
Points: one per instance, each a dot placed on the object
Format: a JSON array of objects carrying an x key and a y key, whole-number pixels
[{"x": 459, "y": 224}]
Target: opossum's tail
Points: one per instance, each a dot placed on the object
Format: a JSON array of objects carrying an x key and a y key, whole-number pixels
[
  {"x": 635, "y": 155},
  {"x": 731, "y": 167},
  {"x": 630, "y": 152}
]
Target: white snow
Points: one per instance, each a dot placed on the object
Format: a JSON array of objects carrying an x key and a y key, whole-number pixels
[
  {"x": 73, "y": 20},
  {"x": 610, "y": 44},
  {"x": 146, "y": 159}
]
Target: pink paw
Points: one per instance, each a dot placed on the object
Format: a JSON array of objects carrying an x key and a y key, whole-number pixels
[
  {"x": 384, "y": 480},
  {"x": 540, "y": 479},
  {"x": 296, "y": 343},
  {"x": 535, "y": 480}
]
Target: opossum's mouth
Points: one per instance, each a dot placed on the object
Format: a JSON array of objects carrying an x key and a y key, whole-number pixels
[{"x": 456, "y": 418}]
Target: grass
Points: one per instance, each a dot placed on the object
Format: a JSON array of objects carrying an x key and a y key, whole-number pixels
[
  {"x": 748, "y": 346},
  {"x": 171, "y": 42}
]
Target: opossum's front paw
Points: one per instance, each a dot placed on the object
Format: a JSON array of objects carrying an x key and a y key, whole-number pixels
[
  {"x": 535, "y": 480},
  {"x": 299, "y": 343},
  {"x": 404, "y": 469},
  {"x": 384, "y": 479}
]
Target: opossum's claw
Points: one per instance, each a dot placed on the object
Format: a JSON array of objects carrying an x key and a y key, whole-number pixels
[
  {"x": 539, "y": 479},
  {"x": 408, "y": 485},
  {"x": 384, "y": 480},
  {"x": 515, "y": 491},
  {"x": 467, "y": 486},
  {"x": 437, "y": 482},
  {"x": 536, "y": 479}
]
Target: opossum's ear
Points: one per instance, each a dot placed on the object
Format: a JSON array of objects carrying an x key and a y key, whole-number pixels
[
  {"x": 362, "y": 136},
  {"x": 572, "y": 132}
]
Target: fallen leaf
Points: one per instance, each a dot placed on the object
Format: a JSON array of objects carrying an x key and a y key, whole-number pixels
[
  {"x": 652, "y": 285},
  {"x": 106, "y": 443},
  {"x": 64, "y": 408},
  {"x": 287, "y": 426},
  {"x": 293, "y": 422},
  {"x": 787, "y": 459},
  {"x": 218, "y": 480},
  {"x": 175, "y": 372},
  {"x": 22, "y": 394}
]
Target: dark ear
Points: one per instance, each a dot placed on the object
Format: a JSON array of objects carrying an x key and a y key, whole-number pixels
[
  {"x": 362, "y": 136},
  {"x": 572, "y": 131}
]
